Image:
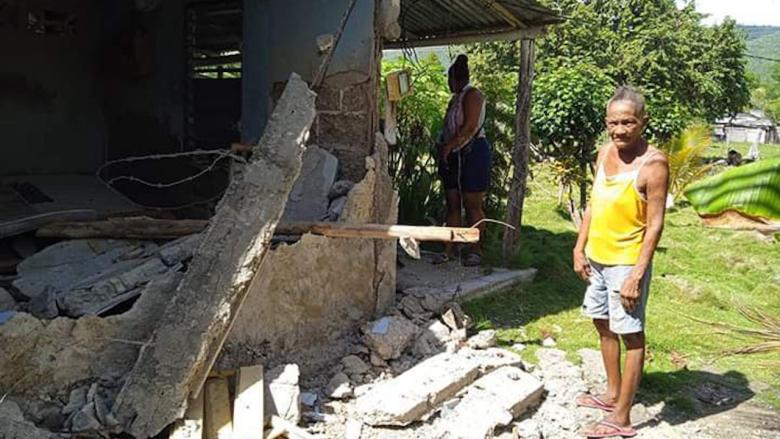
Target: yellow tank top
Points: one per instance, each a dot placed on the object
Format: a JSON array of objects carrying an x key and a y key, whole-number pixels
[{"x": 618, "y": 218}]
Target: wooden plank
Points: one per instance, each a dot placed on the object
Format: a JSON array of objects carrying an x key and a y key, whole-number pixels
[
  {"x": 507, "y": 15},
  {"x": 173, "y": 366},
  {"x": 248, "y": 405},
  {"x": 149, "y": 228},
  {"x": 191, "y": 426},
  {"x": 218, "y": 421},
  {"x": 506, "y": 34},
  {"x": 520, "y": 150}
]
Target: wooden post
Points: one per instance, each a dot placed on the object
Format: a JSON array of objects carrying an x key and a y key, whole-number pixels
[{"x": 517, "y": 187}]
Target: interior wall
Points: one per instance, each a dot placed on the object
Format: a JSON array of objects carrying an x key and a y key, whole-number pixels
[
  {"x": 105, "y": 85},
  {"x": 50, "y": 115}
]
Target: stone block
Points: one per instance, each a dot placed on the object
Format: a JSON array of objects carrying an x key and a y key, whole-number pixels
[
  {"x": 490, "y": 402},
  {"x": 408, "y": 397},
  {"x": 345, "y": 132},
  {"x": 329, "y": 99},
  {"x": 354, "y": 366},
  {"x": 483, "y": 340},
  {"x": 339, "y": 387},
  {"x": 389, "y": 336},
  {"x": 355, "y": 98}
]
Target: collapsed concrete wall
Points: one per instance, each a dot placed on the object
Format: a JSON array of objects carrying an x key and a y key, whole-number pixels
[{"x": 310, "y": 293}]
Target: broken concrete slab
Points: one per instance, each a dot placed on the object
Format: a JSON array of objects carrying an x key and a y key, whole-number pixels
[
  {"x": 15, "y": 426},
  {"x": 309, "y": 197},
  {"x": 493, "y": 358},
  {"x": 67, "y": 264},
  {"x": 490, "y": 402},
  {"x": 432, "y": 339},
  {"x": 282, "y": 394},
  {"x": 408, "y": 397},
  {"x": 186, "y": 342},
  {"x": 389, "y": 336},
  {"x": 493, "y": 283}
]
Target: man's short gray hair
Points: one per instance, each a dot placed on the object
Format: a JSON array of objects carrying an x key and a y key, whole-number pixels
[{"x": 629, "y": 94}]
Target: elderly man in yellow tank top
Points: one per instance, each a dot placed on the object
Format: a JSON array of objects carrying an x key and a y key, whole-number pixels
[{"x": 614, "y": 253}]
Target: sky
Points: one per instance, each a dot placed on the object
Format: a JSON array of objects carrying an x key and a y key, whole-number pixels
[{"x": 756, "y": 12}]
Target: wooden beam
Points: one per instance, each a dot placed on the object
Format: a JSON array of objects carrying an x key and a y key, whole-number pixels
[
  {"x": 174, "y": 364},
  {"x": 248, "y": 408},
  {"x": 506, "y": 34},
  {"x": 191, "y": 426},
  {"x": 218, "y": 422},
  {"x": 149, "y": 228},
  {"x": 520, "y": 150},
  {"x": 507, "y": 15}
]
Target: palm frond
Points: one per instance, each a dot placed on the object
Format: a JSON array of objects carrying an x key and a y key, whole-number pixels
[{"x": 685, "y": 153}]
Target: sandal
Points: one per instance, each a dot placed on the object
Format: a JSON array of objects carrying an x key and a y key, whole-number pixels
[
  {"x": 614, "y": 430},
  {"x": 594, "y": 402},
  {"x": 472, "y": 260},
  {"x": 440, "y": 258}
]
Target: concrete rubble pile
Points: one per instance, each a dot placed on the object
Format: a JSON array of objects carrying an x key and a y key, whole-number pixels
[{"x": 86, "y": 325}]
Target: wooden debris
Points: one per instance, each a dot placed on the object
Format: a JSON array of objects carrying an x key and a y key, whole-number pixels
[
  {"x": 149, "y": 228},
  {"x": 248, "y": 405},
  {"x": 175, "y": 363},
  {"x": 218, "y": 422}
]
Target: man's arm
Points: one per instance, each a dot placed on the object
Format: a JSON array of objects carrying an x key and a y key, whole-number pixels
[{"x": 657, "y": 184}]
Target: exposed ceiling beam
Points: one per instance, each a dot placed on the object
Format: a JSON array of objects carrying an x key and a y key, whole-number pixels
[
  {"x": 468, "y": 37},
  {"x": 507, "y": 15}
]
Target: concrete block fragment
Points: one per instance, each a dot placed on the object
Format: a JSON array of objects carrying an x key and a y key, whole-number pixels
[
  {"x": 339, "y": 387},
  {"x": 308, "y": 200},
  {"x": 408, "y": 397},
  {"x": 354, "y": 366},
  {"x": 179, "y": 250},
  {"x": 432, "y": 340},
  {"x": 282, "y": 395},
  {"x": 44, "y": 305},
  {"x": 354, "y": 429},
  {"x": 340, "y": 189},
  {"x": 483, "y": 340},
  {"x": 389, "y": 336},
  {"x": 85, "y": 420},
  {"x": 490, "y": 402}
]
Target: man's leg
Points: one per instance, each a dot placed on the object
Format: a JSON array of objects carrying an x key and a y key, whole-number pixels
[
  {"x": 610, "y": 353},
  {"x": 454, "y": 217},
  {"x": 474, "y": 202},
  {"x": 632, "y": 374}
]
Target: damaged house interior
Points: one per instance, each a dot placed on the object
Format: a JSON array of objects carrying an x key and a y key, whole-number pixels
[{"x": 198, "y": 231}]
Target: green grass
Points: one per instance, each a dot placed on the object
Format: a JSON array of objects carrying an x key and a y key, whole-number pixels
[{"x": 698, "y": 272}]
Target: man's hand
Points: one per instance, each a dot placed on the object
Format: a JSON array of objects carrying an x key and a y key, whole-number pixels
[
  {"x": 444, "y": 152},
  {"x": 581, "y": 265},
  {"x": 629, "y": 293}
]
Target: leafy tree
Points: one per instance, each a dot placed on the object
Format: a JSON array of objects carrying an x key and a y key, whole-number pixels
[{"x": 567, "y": 117}]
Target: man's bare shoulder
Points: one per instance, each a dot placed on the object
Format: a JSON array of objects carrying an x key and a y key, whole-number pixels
[{"x": 657, "y": 158}]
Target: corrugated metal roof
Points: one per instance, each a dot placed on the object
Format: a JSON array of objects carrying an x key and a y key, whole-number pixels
[{"x": 426, "y": 22}]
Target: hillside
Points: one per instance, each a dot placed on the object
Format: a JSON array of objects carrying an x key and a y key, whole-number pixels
[{"x": 762, "y": 41}]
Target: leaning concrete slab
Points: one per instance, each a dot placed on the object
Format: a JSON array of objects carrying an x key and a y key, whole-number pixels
[
  {"x": 408, "y": 397},
  {"x": 184, "y": 346},
  {"x": 490, "y": 402}
]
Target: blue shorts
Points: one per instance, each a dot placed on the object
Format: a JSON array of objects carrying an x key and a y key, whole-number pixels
[
  {"x": 602, "y": 298},
  {"x": 469, "y": 169}
]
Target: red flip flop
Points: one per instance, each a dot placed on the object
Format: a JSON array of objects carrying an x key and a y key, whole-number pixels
[
  {"x": 594, "y": 402},
  {"x": 614, "y": 431}
]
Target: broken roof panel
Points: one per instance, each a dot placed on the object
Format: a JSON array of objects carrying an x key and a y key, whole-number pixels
[{"x": 440, "y": 22}]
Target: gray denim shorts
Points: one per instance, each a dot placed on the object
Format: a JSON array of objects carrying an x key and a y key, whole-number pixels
[{"x": 602, "y": 298}]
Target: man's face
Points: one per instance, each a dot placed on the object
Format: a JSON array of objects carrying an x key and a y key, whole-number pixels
[{"x": 624, "y": 126}]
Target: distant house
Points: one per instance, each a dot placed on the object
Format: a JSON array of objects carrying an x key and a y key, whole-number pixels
[{"x": 752, "y": 127}]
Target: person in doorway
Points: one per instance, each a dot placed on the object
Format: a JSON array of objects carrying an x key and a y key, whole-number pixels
[
  {"x": 614, "y": 252},
  {"x": 464, "y": 159}
]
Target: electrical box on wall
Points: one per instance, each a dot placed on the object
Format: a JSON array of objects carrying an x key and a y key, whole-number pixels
[{"x": 398, "y": 85}]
